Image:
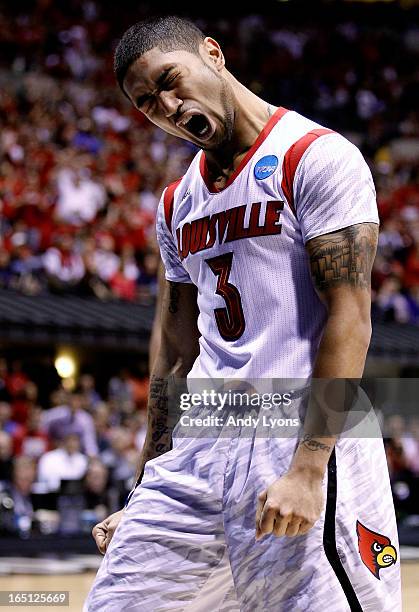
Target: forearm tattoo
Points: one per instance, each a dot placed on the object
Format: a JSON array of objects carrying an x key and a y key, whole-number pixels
[
  {"x": 158, "y": 410},
  {"x": 158, "y": 440},
  {"x": 314, "y": 445},
  {"x": 344, "y": 257}
]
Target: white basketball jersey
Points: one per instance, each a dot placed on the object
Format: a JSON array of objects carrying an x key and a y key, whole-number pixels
[{"x": 243, "y": 246}]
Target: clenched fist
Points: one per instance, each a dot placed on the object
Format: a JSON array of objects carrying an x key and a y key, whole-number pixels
[
  {"x": 289, "y": 506},
  {"x": 103, "y": 531}
]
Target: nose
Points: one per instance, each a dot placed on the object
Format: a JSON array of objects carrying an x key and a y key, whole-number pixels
[{"x": 170, "y": 102}]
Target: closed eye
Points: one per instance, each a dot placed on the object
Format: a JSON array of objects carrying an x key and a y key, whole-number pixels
[
  {"x": 169, "y": 81},
  {"x": 142, "y": 102}
]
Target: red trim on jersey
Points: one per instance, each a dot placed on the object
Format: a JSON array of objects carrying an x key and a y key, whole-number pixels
[
  {"x": 168, "y": 200},
  {"x": 292, "y": 159},
  {"x": 278, "y": 114}
]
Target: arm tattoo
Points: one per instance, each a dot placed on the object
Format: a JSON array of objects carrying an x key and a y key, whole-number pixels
[
  {"x": 344, "y": 257},
  {"x": 158, "y": 440},
  {"x": 158, "y": 410},
  {"x": 157, "y": 387},
  {"x": 314, "y": 445},
  {"x": 173, "y": 297}
]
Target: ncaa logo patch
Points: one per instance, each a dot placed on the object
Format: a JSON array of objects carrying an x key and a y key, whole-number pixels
[{"x": 265, "y": 167}]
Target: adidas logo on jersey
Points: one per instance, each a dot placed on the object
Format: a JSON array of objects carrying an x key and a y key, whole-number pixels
[{"x": 186, "y": 195}]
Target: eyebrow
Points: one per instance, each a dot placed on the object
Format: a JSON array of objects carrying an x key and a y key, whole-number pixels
[{"x": 159, "y": 82}]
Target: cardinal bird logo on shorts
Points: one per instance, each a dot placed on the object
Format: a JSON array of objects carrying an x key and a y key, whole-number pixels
[{"x": 375, "y": 549}]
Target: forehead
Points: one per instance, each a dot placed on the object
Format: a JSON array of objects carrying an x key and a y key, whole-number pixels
[{"x": 144, "y": 71}]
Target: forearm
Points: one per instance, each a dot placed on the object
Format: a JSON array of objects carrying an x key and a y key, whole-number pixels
[
  {"x": 343, "y": 347},
  {"x": 341, "y": 356},
  {"x": 157, "y": 440},
  {"x": 159, "y": 431}
]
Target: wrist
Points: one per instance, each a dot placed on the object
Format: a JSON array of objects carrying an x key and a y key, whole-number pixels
[
  {"x": 311, "y": 457},
  {"x": 307, "y": 471}
]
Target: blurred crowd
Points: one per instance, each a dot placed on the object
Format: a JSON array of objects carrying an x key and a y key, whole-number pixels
[
  {"x": 64, "y": 468},
  {"x": 402, "y": 450},
  {"x": 81, "y": 172}
]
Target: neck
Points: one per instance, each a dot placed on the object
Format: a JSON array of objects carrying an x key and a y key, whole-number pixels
[{"x": 251, "y": 114}]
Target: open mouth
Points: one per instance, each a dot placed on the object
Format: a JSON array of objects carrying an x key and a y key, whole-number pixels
[
  {"x": 388, "y": 559},
  {"x": 197, "y": 125}
]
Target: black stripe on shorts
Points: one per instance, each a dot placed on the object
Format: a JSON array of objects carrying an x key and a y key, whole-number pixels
[{"x": 329, "y": 537}]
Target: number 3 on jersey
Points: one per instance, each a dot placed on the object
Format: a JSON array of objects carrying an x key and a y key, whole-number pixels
[{"x": 230, "y": 320}]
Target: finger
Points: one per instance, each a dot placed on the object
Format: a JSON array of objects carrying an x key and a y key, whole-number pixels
[
  {"x": 259, "y": 509},
  {"x": 267, "y": 519},
  {"x": 305, "y": 527},
  {"x": 281, "y": 524},
  {"x": 97, "y": 528},
  {"x": 111, "y": 531},
  {"x": 100, "y": 540},
  {"x": 293, "y": 528},
  {"x": 107, "y": 542},
  {"x": 101, "y": 546}
]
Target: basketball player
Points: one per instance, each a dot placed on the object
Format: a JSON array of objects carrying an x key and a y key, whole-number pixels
[{"x": 268, "y": 242}]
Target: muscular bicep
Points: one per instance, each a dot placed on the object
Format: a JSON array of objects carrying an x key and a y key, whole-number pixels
[
  {"x": 179, "y": 329},
  {"x": 341, "y": 263}
]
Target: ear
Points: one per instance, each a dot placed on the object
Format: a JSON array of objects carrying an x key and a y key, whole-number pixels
[{"x": 212, "y": 51}]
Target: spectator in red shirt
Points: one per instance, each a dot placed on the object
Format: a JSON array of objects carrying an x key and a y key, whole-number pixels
[
  {"x": 32, "y": 440},
  {"x": 23, "y": 402},
  {"x": 123, "y": 282},
  {"x": 16, "y": 379}
]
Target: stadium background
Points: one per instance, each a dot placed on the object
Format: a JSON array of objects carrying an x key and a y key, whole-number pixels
[{"x": 80, "y": 177}]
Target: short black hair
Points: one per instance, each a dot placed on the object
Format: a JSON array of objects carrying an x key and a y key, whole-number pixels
[{"x": 167, "y": 33}]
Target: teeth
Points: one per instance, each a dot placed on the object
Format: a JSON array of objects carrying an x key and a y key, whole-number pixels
[{"x": 184, "y": 121}]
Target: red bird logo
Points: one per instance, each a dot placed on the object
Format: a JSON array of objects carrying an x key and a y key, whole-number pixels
[{"x": 376, "y": 550}]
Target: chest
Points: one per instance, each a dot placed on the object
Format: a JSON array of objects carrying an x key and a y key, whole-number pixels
[
  {"x": 244, "y": 222},
  {"x": 238, "y": 217}
]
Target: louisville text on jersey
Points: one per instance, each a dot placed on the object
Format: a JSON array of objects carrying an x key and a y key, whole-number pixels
[{"x": 228, "y": 225}]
